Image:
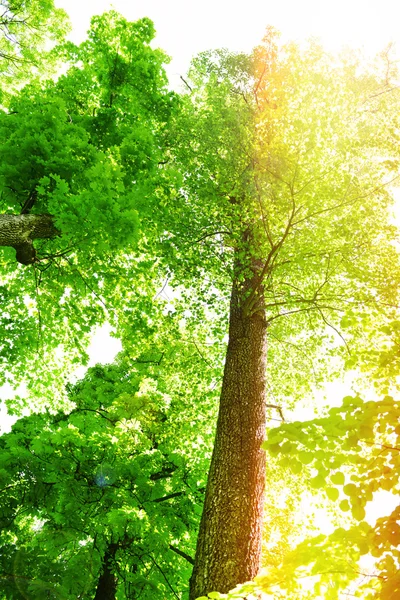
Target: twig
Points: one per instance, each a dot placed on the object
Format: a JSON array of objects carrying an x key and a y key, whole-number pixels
[
  {"x": 278, "y": 408},
  {"x": 163, "y": 574},
  {"x": 186, "y": 83},
  {"x": 87, "y": 285},
  {"x": 211, "y": 235},
  {"x": 205, "y": 360}
]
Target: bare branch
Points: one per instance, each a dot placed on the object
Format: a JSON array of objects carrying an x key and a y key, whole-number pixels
[
  {"x": 334, "y": 329},
  {"x": 186, "y": 83},
  {"x": 201, "y": 355},
  {"x": 298, "y": 349},
  {"x": 163, "y": 288},
  {"x": 278, "y": 408},
  {"x": 346, "y": 202},
  {"x": 164, "y": 576},
  {"x": 207, "y": 235},
  {"x": 87, "y": 284}
]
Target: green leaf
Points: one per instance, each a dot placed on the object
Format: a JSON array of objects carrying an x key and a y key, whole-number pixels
[
  {"x": 295, "y": 466},
  {"x": 317, "y": 482},
  {"x": 305, "y": 457},
  {"x": 358, "y": 512},
  {"x": 344, "y": 505}
]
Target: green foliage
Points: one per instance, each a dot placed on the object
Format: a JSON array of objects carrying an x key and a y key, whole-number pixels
[
  {"x": 82, "y": 148},
  {"x": 247, "y": 174},
  {"x": 296, "y": 179},
  {"x": 27, "y": 28},
  {"x": 355, "y": 452},
  {"x": 121, "y": 468},
  {"x": 308, "y": 202}
]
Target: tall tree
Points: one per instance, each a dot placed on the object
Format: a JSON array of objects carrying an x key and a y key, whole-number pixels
[{"x": 284, "y": 193}]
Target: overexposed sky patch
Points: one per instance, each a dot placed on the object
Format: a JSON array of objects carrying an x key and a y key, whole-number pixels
[{"x": 185, "y": 28}]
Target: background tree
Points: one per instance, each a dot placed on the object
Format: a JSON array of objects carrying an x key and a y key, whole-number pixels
[
  {"x": 103, "y": 501},
  {"x": 75, "y": 156}
]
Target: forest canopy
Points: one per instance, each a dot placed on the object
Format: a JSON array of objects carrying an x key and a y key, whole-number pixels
[{"x": 239, "y": 237}]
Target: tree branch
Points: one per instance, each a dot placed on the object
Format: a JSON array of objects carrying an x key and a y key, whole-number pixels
[
  {"x": 278, "y": 408},
  {"x": 169, "y": 496},
  {"x": 182, "y": 554},
  {"x": 186, "y": 83}
]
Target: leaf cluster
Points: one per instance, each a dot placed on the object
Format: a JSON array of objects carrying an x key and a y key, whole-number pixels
[
  {"x": 347, "y": 456},
  {"x": 124, "y": 468},
  {"x": 85, "y": 149}
]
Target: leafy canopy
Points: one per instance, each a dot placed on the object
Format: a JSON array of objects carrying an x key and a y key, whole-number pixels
[
  {"x": 124, "y": 468},
  {"x": 27, "y": 29},
  {"x": 81, "y": 149},
  {"x": 278, "y": 160},
  {"x": 285, "y": 167}
]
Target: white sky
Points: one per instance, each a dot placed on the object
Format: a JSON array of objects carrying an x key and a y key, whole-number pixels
[{"x": 185, "y": 28}]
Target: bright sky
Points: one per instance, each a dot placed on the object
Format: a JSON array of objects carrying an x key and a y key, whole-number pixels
[{"x": 185, "y": 27}]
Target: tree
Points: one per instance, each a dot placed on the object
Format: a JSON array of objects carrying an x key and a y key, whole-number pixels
[
  {"x": 285, "y": 194},
  {"x": 76, "y": 154},
  {"x": 103, "y": 501}
]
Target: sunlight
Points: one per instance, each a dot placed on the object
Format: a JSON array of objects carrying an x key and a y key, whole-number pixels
[
  {"x": 257, "y": 188},
  {"x": 184, "y": 29}
]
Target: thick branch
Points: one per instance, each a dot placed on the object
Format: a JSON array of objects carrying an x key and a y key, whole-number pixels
[
  {"x": 248, "y": 304},
  {"x": 19, "y": 231},
  {"x": 169, "y": 496},
  {"x": 182, "y": 554}
]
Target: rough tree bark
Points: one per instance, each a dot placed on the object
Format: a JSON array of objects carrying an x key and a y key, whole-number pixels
[
  {"x": 108, "y": 582},
  {"x": 19, "y": 231},
  {"x": 230, "y": 536}
]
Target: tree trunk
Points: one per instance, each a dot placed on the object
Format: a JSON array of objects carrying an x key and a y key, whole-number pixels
[
  {"x": 230, "y": 536},
  {"x": 107, "y": 584},
  {"x": 19, "y": 231}
]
